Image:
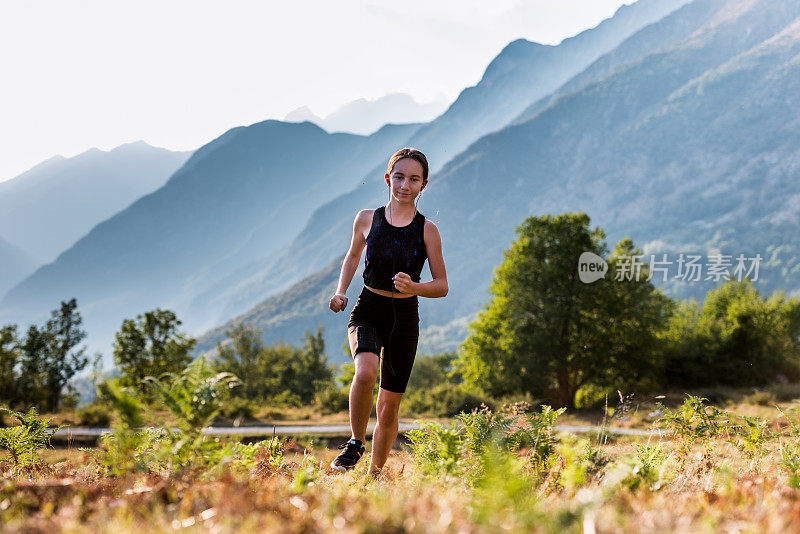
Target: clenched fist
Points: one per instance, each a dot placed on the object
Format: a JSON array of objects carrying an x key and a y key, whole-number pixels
[
  {"x": 403, "y": 283},
  {"x": 338, "y": 302}
]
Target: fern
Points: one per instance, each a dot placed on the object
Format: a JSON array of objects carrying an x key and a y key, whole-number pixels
[{"x": 24, "y": 440}]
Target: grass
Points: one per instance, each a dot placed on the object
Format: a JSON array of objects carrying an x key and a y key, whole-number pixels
[
  {"x": 709, "y": 473},
  {"x": 723, "y": 491}
]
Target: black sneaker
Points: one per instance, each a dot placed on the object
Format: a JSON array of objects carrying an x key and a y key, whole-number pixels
[{"x": 347, "y": 459}]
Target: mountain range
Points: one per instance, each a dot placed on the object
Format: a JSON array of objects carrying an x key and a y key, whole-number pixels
[
  {"x": 690, "y": 146},
  {"x": 673, "y": 123},
  {"x": 44, "y": 210}
]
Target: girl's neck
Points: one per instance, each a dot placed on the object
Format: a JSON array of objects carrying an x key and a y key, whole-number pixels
[{"x": 401, "y": 211}]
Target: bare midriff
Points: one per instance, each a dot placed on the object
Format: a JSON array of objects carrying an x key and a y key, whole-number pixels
[{"x": 389, "y": 293}]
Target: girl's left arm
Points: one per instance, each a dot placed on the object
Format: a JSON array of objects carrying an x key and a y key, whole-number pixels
[{"x": 433, "y": 245}]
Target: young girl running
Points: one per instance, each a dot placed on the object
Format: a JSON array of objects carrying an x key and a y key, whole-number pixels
[{"x": 398, "y": 239}]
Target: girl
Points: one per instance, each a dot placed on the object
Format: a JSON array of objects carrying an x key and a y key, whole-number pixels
[{"x": 398, "y": 240}]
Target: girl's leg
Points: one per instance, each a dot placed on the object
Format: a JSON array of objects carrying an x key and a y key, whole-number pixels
[
  {"x": 385, "y": 433},
  {"x": 361, "y": 391}
]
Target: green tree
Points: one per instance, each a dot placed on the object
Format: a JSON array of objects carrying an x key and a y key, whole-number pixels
[
  {"x": 548, "y": 333},
  {"x": 151, "y": 346},
  {"x": 310, "y": 369},
  {"x": 280, "y": 370},
  {"x": 737, "y": 338},
  {"x": 242, "y": 357},
  {"x": 430, "y": 371},
  {"x": 265, "y": 371},
  {"x": 9, "y": 359},
  {"x": 48, "y": 360},
  {"x": 630, "y": 319}
]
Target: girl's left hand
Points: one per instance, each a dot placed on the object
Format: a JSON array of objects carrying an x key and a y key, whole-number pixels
[{"x": 403, "y": 283}]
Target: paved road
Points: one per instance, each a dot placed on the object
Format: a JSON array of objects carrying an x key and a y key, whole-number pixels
[{"x": 338, "y": 429}]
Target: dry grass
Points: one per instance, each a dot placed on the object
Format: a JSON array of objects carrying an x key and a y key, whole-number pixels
[
  {"x": 633, "y": 485},
  {"x": 714, "y": 489}
]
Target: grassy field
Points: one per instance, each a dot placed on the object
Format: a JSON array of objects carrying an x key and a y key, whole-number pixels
[{"x": 731, "y": 470}]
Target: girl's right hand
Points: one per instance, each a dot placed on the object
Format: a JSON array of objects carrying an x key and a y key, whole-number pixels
[{"x": 338, "y": 302}]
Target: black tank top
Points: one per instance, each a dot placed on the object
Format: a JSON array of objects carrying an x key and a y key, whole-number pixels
[{"x": 406, "y": 244}]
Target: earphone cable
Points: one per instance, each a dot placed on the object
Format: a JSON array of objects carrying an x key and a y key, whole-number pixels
[{"x": 394, "y": 314}]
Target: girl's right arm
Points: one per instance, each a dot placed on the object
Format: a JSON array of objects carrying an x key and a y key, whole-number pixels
[{"x": 351, "y": 260}]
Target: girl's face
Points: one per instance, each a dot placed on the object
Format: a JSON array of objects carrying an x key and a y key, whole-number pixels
[{"x": 406, "y": 180}]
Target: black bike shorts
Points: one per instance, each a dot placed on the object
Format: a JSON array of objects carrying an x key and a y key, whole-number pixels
[{"x": 372, "y": 318}]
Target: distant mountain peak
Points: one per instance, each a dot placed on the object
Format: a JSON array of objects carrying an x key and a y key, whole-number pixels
[
  {"x": 135, "y": 144},
  {"x": 365, "y": 116},
  {"x": 522, "y": 42},
  {"x": 301, "y": 114}
]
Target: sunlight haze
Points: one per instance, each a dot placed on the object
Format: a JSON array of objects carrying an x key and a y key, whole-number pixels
[{"x": 179, "y": 74}]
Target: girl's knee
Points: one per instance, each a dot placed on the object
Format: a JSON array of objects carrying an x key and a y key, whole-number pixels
[
  {"x": 366, "y": 368},
  {"x": 387, "y": 409}
]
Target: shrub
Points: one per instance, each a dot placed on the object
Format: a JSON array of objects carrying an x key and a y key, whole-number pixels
[
  {"x": 737, "y": 337},
  {"x": 444, "y": 400},
  {"x": 129, "y": 447},
  {"x": 287, "y": 399},
  {"x": 194, "y": 397},
  {"x": 437, "y": 450},
  {"x": 785, "y": 392},
  {"x": 239, "y": 409},
  {"x": 479, "y": 425},
  {"x": 760, "y": 398},
  {"x": 693, "y": 421},
  {"x": 581, "y": 461},
  {"x": 647, "y": 467},
  {"x": 259, "y": 457},
  {"x": 95, "y": 415},
  {"x": 790, "y": 462},
  {"x": 332, "y": 399},
  {"x": 459, "y": 449},
  {"x": 750, "y": 435},
  {"x": 538, "y": 433},
  {"x": 504, "y": 493},
  {"x": 69, "y": 401}
]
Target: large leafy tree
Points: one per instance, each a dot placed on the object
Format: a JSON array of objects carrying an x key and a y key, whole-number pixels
[
  {"x": 47, "y": 359},
  {"x": 151, "y": 345},
  {"x": 9, "y": 358},
  {"x": 548, "y": 333}
]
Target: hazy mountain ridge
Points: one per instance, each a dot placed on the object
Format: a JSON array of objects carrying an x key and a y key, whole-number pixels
[
  {"x": 525, "y": 71},
  {"x": 606, "y": 149},
  {"x": 253, "y": 186},
  {"x": 15, "y": 263},
  {"x": 505, "y": 89},
  {"x": 662, "y": 34},
  {"x": 47, "y": 208},
  {"x": 592, "y": 155},
  {"x": 652, "y": 151},
  {"x": 201, "y": 293}
]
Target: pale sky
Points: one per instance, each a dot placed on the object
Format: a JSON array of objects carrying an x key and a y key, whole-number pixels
[{"x": 179, "y": 73}]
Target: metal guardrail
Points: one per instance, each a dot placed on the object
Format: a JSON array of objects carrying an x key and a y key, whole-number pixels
[{"x": 263, "y": 430}]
